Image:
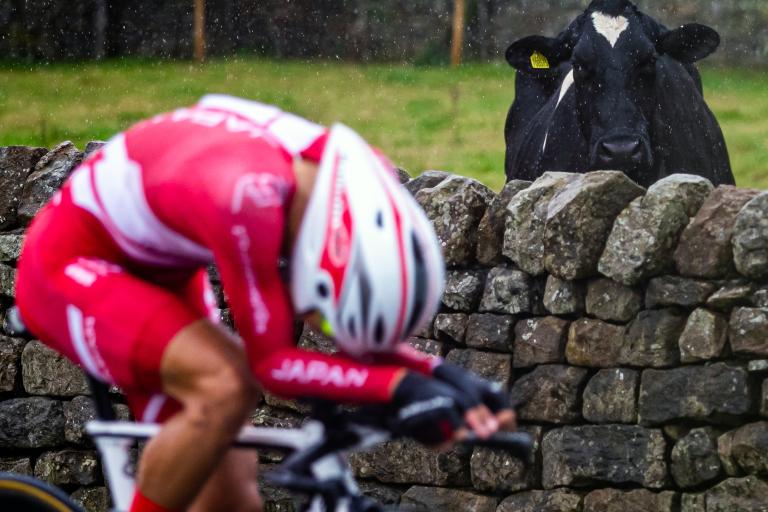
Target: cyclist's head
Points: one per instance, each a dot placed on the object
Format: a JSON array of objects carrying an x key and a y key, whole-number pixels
[{"x": 366, "y": 258}]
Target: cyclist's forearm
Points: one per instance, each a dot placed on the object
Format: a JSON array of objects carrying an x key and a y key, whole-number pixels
[
  {"x": 294, "y": 373},
  {"x": 410, "y": 358}
]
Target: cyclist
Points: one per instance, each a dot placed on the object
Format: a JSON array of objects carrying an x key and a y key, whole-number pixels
[{"x": 112, "y": 275}]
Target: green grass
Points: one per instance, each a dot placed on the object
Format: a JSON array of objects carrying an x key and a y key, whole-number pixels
[{"x": 423, "y": 117}]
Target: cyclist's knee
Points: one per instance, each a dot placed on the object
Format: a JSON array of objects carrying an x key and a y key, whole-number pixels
[{"x": 224, "y": 397}]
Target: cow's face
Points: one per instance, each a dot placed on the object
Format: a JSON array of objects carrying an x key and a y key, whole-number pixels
[
  {"x": 612, "y": 57},
  {"x": 614, "y": 66}
]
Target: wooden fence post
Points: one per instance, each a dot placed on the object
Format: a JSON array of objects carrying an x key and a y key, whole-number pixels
[
  {"x": 457, "y": 41},
  {"x": 199, "y": 30}
]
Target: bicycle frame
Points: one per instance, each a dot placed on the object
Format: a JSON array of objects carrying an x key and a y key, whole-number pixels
[{"x": 114, "y": 440}]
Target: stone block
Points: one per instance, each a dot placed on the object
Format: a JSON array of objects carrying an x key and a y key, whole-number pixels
[
  {"x": 764, "y": 400},
  {"x": 612, "y": 301},
  {"x": 430, "y": 499},
  {"x": 18, "y": 465},
  {"x": 748, "y": 331},
  {"x": 745, "y": 450},
  {"x": 507, "y": 291},
  {"x": 93, "y": 499},
  {"x": 652, "y": 339},
  {"x": 693, "y": 502},
  {"x": 431, "y": 347},
  {"x": 78, "y": 412},
  {"x": 594, "y": 343},
  {"x": 550, "y": 393},
  {"x": 275, "y": 499},
  {"x": 715, "y": 393},
  {"x": 10, "y": 361},
  {"x": 564, "y": 297},
  {"x": 645, "y": 234},
  {"x": 451, "y": 327},
  {"x": 427, "y": 179},
  {"x": 737, "y": 495},
  {"x": 614, "y": 500},
  {"x": 580, "y": 219},
  {"x": 92, "y": 146},
  {"x": 490, "y": 332},
  {"x": 68, "y": 467},
  {"x": 16, "y": 162},
  {"x": 463, "y": 289},
  {"x": 46, "y": 372},
  {"x": 49, "y": 174},
  {"x": 455, "y": 206},
  {"x": 7, "y": 280},
  {"x": 731, "y": 295},
  {"x": 704, "y": 336},
  {"x": 490, "y": 232},
  {"x": 750, "y": 238},
  {"x": 498, "y": 471},
  {"x": 705, "y": 248},
  {"x": 558, "y": 500},
  {"x": 10, "y": 247},
  {"x": 694, "y": 460},
  {"x": 406, "y": 462},
  {"x": 668, "y": 291},
  {"x": 760, "y": 297},
  {"x": 314, "y": 341},
  {"x": 525, "y": 221},
  {"x": 610, "y": 396},
  {"x": 540, "y": 340},
  {"x": 604, "y": 454},
  {"x": 491, "y": 366},
  {"x": 384, "y": 494},
  {"x": 31, "y": 423}
]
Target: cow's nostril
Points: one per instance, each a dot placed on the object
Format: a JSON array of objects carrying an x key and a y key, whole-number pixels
[{"x": 619, "y": 151}]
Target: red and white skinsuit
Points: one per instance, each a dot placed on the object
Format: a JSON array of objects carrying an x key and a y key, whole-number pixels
[{"x": 114, "y": 265}]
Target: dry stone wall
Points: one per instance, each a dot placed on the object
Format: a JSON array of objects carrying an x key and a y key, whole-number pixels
[{"x": 631, "y": 324}]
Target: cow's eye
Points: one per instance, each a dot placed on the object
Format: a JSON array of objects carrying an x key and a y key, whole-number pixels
[{"x": 582, "y": 71}]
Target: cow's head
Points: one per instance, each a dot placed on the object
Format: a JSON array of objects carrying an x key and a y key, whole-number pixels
[{"x": 611, "y": 55}]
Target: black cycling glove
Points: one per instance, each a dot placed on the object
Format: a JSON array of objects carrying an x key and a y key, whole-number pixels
[
  {"x": 427, "y": 410},
  {"x": 477, "y": 390}
]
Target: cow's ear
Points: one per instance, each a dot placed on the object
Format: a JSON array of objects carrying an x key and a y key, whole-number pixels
[
  {"x": 535, "y": 54},
  {"x": 689, "y": 43}
]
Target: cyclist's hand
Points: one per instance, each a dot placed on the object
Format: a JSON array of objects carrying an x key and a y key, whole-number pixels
[
  {"x": 428, "y": 410},
  {"x": 489, "y": 407}
]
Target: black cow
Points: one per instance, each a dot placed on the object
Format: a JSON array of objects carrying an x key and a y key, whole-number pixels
[{"x": 615, "y": 90}]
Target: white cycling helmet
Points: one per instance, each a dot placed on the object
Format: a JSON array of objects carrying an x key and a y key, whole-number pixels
[{"x": 366, "y": 257}]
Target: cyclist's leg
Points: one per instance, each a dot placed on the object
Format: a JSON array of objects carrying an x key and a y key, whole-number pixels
[
  {"x": 233, "y": 486},
  {"x": 208, "y": 375},
  {"x": 119, "y": 327}
]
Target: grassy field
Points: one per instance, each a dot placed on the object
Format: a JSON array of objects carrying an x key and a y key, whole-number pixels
[{"x": 425, "y": 118}]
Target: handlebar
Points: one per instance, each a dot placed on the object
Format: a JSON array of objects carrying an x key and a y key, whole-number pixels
[{"x": 348, "y": 431}]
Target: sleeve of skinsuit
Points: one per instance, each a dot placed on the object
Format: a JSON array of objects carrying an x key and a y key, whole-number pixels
[
  {"x": 408, "y": 357},
  {"x": 246, "y": 239}
]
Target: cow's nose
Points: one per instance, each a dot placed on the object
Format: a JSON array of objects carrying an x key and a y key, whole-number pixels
[{"x": 620, "y": 151}]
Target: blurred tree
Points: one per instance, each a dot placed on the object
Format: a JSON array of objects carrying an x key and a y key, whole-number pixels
[
  {"x": 457, "y": 41},
  {"x": 100, "y": 22}
]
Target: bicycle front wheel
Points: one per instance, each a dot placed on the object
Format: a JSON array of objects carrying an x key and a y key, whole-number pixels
[{"x": 27, "y": 494}]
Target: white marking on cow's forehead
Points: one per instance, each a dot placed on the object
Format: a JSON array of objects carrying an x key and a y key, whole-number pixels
[{"x": 610, "y": 27}]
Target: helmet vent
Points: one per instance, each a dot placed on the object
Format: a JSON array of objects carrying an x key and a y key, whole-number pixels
[
  {"x": 378, "y": 331},
  {"x": 380, "y": 219},
  {"x": 352, "y": 327},
  {"x": 420, "y": 285},
  {"x": 322, "y": 290}
]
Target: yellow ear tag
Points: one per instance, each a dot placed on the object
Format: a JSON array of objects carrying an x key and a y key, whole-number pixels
[
  {"x": 539, "y": 61},
  {"x": 325, "y": 326}
]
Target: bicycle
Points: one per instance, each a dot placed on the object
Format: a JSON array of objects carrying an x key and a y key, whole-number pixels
[{"x": 314, "y": 466}]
